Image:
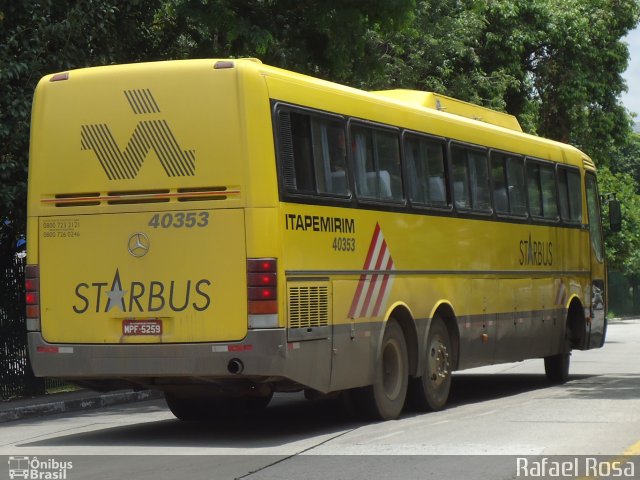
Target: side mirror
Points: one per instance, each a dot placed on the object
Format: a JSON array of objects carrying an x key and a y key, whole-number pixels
[{"x": 615, "y": 215}]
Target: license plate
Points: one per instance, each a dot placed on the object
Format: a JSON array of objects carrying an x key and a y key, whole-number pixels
[{"x": 141, "y": 327}]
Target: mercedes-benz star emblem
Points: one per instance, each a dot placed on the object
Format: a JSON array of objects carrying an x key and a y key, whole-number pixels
[{"x": 139, "y": 244}]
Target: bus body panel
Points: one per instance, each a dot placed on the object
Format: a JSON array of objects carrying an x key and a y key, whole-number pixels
[
  {"x": 184, "y": 270},
  {"x": 146, "y": 153}
]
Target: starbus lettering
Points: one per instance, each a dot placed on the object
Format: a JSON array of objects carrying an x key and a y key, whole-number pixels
[
  {"x": 318, "y": 223},
  {"x": 536, "y": 253},
  {"x": 139, "y": 297}
]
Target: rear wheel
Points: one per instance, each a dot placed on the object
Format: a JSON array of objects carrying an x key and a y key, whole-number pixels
[
  {"x": 556, "y": 367},
  {"x": 431, "y": 390},
  {"x": 385, "y": 399},
  {"x": 214, "y": 408},
  {"x": 189, "y": 409}
]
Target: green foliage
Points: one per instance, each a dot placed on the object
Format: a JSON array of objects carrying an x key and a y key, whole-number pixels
[
  {"x": 44, "y": 36},
  {"x": 623, "y": 248}
]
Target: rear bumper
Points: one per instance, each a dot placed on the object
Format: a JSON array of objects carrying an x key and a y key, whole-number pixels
[{"x": 265, "y": 355}]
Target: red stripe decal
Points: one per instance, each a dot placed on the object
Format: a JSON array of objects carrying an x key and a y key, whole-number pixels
[{"x": 368, "y": 284}]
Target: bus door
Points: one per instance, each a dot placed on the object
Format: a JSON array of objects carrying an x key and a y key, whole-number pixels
[{"x": 597, "y": 327}]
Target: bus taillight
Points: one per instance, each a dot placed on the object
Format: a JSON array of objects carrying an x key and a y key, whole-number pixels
[
  {"x": 32, "y": 297},
  {"x": 262, "y": 292}
]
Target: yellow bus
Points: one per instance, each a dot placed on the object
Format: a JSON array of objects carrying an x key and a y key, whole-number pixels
[{"x": 221, "y": 230}]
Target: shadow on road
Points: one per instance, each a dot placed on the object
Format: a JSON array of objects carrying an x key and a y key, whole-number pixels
[
  {"x": 290, "y": 418},
  {"x": 286, "y": 420}
]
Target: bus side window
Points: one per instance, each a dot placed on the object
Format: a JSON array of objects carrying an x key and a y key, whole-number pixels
[
  {"x": 507, "y": 174},
  {"x": 376, "y": 156},
  {"x": 330, "y": 156},
  {"x": 593, "y": 210},
  {"x": 425, "y": 171},
  {"x": 302, "y": 153},
  {"x": 470, "y": 179},
  {"x": 570, "y": 195},
  {"x": 313, "y": 153},
  {"x": 516, "y": 186},
  {"x": 542, "y": 191}
]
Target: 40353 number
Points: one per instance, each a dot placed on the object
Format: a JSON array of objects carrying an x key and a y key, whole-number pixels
[
  {"x": 179, "y": 220},
  {"x": 344, "y": 244}
]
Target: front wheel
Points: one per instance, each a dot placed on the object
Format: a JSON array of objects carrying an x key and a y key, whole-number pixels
[{"x": 431, "y": 390}]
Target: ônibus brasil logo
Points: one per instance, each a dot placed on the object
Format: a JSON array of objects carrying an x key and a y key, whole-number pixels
[
  {"x": 33, "y": 468},
  {"x": 153, "y": 134},
  {"x": 137, "y": 296}
]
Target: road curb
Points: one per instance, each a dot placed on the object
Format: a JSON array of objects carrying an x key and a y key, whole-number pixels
[{"x": 72, "y": 402}]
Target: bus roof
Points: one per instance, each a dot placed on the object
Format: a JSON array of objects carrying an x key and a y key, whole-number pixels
[{"x": 486, "y": 123}]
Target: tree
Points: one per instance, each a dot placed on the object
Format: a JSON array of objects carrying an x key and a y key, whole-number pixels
[{"x": 44, "y": 36}]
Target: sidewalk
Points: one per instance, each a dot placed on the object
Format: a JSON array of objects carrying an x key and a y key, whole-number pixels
[{"x": 70, "y": 402}]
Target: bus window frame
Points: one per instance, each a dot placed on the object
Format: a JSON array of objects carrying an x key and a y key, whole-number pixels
[
  {"x": 285, "y": 193},
  {"x": 536, "y": 218},
  {"x": 426, "y": 207}
]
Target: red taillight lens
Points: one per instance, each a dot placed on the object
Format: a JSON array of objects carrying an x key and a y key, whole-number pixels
[
  {"x": 262, "y": 289},
  {"x": 259, "y": 279},
  {"x": 31, "y": 284},
  {"x": 262, "y": 293},
  {"x": 268, "y": 265},
  {"x": 31, "y": 298}
]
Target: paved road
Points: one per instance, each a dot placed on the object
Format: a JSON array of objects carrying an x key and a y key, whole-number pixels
[{"x": 496, "y": 414}]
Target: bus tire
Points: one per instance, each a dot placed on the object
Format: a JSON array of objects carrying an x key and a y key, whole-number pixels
[
  {"x": 556, "y": 367},
  {"x": 384, "y": 400},
  {"x": 186, "y": 409},
  {"x": 430, "y": 391},
  {"x": 214, "y": 408}
]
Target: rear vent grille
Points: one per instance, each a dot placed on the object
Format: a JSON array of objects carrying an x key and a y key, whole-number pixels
[
  {"x": 137, "y": 196},
  {"x": 75, "y": 199},
  {"x": 308, "y": 306},
  {"x": 129, "y": 197}
]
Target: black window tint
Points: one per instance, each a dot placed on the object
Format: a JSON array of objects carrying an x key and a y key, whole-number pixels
[
  {"x": 470, "y": 179},
  {"x": 425, "y": 168},
  {"x": 313, "y": 153},
  {"x": 376, "y": 157},
  {"x": 570, "y": 195}
]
